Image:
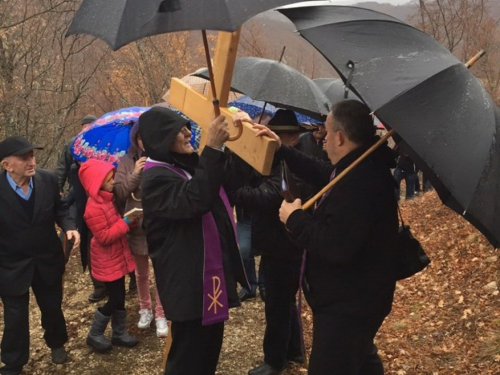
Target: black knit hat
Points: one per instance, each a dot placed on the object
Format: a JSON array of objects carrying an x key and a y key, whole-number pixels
[
  {"x": 158, "y": 128},
  {"x": 88, "y": 119},
  {"x": 16, "y": 145}
]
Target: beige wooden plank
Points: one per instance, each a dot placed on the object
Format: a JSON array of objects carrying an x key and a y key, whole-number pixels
[
  {"x": 256, "y": 151},
  {"x": 223, "y": 65}
]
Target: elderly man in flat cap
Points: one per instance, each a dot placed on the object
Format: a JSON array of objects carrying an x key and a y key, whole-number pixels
[{"x": 31, "y": 254}]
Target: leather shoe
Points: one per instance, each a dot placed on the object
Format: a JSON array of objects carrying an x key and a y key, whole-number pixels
[
  {"x": 264, "y": 369},
  {"x": 97, "y": 295},
  {"x": 59, "y": 355},
  {"x": 4, "y": 371},
  {"x": 297, "y": 359},
  {"x": 243, "y": 295}
]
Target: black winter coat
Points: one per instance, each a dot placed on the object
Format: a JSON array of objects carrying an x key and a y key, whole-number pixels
[
  {"x": 263, "y": 198},
  {"x": 173, "y": 209},
  {"x": 351, "y": 238}
]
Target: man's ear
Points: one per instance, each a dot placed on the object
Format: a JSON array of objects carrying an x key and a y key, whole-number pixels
[
  {"x": 4, "y": 163},
  {"x": 341, "y": 138}
]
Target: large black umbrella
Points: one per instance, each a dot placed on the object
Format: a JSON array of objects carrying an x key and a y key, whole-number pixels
[
  {"x": 119, "y": 22},
  {"x": 278, "y": 84},
  {"x": 335, "y": 90},
  {"x": 418, "y": 88}
]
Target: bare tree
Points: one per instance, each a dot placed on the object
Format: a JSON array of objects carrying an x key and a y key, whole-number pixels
[
  {"x": 450, "y": 21},
  {"x": 140, "y": 73},
  {"x": 464, "y": 27},
  {"x": 44, "y": 77}
]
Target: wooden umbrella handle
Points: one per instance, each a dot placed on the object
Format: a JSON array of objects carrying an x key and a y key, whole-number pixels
[
  {"x": 239, "y": 125},
  {"x": 474, "y": 59}
]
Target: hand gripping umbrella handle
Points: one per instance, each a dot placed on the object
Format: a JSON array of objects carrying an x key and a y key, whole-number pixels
[{"x": 239, "y": 125}]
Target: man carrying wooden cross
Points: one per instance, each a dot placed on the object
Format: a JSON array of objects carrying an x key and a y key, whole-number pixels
[
  {"x": 191, "y": 238},
  {"x": 350, "y": 240}
]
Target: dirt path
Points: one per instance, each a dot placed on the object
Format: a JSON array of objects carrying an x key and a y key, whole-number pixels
[{"x": 445, "y": 321}]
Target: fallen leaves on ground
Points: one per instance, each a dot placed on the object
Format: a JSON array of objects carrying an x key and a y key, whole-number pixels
[{"x": 445, "y": 320}]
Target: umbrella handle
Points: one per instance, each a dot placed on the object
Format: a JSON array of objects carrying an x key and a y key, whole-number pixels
[
  {"x": 239, "y": 125},
  {"x": 474, "y": 59}
]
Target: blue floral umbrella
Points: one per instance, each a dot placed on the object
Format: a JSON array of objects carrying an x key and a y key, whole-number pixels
[
  {"x": 254, "y": 109},
  {"x": 108, "y": 137}
]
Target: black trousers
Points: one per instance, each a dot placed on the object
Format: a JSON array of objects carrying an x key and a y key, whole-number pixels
[
  {"x": 343, "y": 345},
  {"x": 16, "y": 335},
  {"x": 282, "y": 339},
  {"x": 116, "y": 296},
  {"x": 195, "y": 348}
]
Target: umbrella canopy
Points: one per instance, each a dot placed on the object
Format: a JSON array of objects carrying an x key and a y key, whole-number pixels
[
  {"x": 278, "y": 84},
  {"x": 335, "y": 90},
  {"x": 254, "y": 109},
  {"x": 119, "y": 22},
  {"x": 108, "y": 137},
  {"x": 418, "y": 88}
]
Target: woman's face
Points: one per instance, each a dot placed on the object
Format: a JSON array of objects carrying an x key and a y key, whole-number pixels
[{"x": 181, "y": 144}]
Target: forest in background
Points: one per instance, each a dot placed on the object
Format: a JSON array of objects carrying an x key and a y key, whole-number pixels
[{"x": 49, "y": 82}]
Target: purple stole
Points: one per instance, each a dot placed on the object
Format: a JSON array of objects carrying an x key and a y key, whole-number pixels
[{"x": 215, "y": 304}]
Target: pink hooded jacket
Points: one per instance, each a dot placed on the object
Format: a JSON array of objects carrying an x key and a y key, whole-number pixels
[{"x": 110, "y": 255}]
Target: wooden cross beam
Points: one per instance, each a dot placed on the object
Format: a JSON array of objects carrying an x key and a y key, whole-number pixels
[{"x": 256, "y": 151}]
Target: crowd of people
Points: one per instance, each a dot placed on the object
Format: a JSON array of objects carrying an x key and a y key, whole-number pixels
[{"x": 168, "y": 204}]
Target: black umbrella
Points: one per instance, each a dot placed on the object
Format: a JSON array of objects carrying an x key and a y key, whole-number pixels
[
  {"x": 278, "y": 84},
  {"x": 119, "y": 22},
  {"x": 418, "y": 88},
  {"x": 335, "y": 89}
]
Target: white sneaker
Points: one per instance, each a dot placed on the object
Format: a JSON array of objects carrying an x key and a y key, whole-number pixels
[
  {"x": 145, "y": 319},
  {"x": 161, "y": 327}
]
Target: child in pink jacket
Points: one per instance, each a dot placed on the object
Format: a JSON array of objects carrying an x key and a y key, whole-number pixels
[{"x": 111, "y": 258}]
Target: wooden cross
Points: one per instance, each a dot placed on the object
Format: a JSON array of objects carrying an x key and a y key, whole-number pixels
[{"x": 256, "y": 151}]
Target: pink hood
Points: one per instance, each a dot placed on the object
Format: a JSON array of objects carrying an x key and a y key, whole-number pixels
[{"x": 92, "y": 174}]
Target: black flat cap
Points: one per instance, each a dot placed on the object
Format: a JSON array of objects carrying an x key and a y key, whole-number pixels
[{"x": 16, "y": 145}]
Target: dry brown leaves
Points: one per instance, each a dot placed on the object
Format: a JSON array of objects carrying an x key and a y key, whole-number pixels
[{"x": 445, "y": 320}]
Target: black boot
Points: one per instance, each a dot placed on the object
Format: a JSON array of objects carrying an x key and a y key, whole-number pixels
[
  {"x": 120, "y": 334},
  {"x": 95, "y": 338}
]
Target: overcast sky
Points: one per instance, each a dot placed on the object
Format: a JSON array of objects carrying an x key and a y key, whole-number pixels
[{"x": 349, "y": 2}]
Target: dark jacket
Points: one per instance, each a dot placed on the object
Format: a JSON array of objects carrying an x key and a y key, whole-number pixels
[
  {"x": 351, "y": 237},
  {"x": 263, "y": 199},
  {"x": 64, "y": 164},
  {"x": 403, "y": 161},
  {"x": 173, "y": 210},
  {"x": 310, "y": 146},
  {"x": 28, "y": 244}
]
